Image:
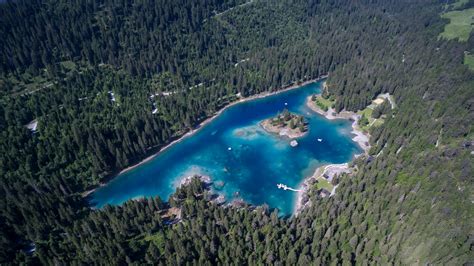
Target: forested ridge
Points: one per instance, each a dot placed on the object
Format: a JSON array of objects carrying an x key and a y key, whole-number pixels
[{"x": 110, "y": 82}]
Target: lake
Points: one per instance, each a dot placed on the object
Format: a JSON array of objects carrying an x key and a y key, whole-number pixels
[{"x": 236, "y": 151}]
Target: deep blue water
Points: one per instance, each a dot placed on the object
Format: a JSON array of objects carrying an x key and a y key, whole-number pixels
[{"x": 256, "y": 162}]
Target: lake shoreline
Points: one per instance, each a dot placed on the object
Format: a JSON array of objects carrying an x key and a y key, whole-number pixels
[
  {"x": 304, "y": 186},
  {"x": 201, "y": 125},
  {"x": 361, "y": 138}
]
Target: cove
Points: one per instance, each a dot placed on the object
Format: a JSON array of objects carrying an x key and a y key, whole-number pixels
[{"x": 234, "y": 150}]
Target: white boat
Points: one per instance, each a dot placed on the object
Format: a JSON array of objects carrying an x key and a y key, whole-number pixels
[{"x": 320, "y": 140}]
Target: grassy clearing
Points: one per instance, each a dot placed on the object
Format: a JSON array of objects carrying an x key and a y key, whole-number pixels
[
  {"x": 377, "y": 122},
  {"x": 369, "y": 121},
  {"x": 325, "y": 102},
  {"x": 365, "y": 128},
  {"x": 158, "y": 239},
  {"x": 469, "y": 61},
  {"x": 461, "y": 24},
  {"x": 324, "y": 184},
  {"x": 367, "y": 112},
  {"x": 322, "y": 103},
  {"x": 69, "y": 65}
]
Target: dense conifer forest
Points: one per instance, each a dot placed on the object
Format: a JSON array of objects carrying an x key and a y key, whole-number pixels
[{"x": 110, "y": 82}]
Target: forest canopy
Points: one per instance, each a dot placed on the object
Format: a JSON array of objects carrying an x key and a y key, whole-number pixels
[{"x": 107, "y": 83}]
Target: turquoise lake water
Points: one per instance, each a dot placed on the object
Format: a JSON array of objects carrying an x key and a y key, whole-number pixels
[{"x": 256, "y": 162}]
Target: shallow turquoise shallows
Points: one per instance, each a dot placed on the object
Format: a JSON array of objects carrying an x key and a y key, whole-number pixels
[{"x": 234, "y": 149}]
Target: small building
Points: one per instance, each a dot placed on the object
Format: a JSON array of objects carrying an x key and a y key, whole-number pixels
[
  {"x": 378, "y": 101},
  {"x": 324, "y": 193},
  {"x": 33, "y": 125}
]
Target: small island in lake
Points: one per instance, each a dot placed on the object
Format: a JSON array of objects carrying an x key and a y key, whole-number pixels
[{"x": 286, "y": 124}]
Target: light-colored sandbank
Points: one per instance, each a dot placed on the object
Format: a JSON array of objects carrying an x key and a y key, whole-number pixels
[
  {"x": 329, "y": 171},
  {"x": 207, "y": 121}
]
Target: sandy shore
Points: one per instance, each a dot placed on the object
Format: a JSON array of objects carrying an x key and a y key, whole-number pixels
[
  {"x": 207, "y": 121},
  {"x": 361, "y": 138}
]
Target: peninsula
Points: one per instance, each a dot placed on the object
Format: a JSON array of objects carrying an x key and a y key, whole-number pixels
[{"x": 286, "y": 124}]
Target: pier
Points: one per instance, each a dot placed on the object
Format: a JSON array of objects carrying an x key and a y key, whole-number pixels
[{"x": 285, "y": 187}]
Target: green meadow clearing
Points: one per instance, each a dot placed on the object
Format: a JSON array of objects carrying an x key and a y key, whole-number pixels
[
  {"x": 460, "y": 25},
  {"x": 469, "y": 61}
]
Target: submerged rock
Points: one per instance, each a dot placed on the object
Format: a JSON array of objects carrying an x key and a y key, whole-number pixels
[
  {"x": 294, "y": 143},
  {"x": 219, "y": 184},
  {"x": 187, "y": 180}
]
